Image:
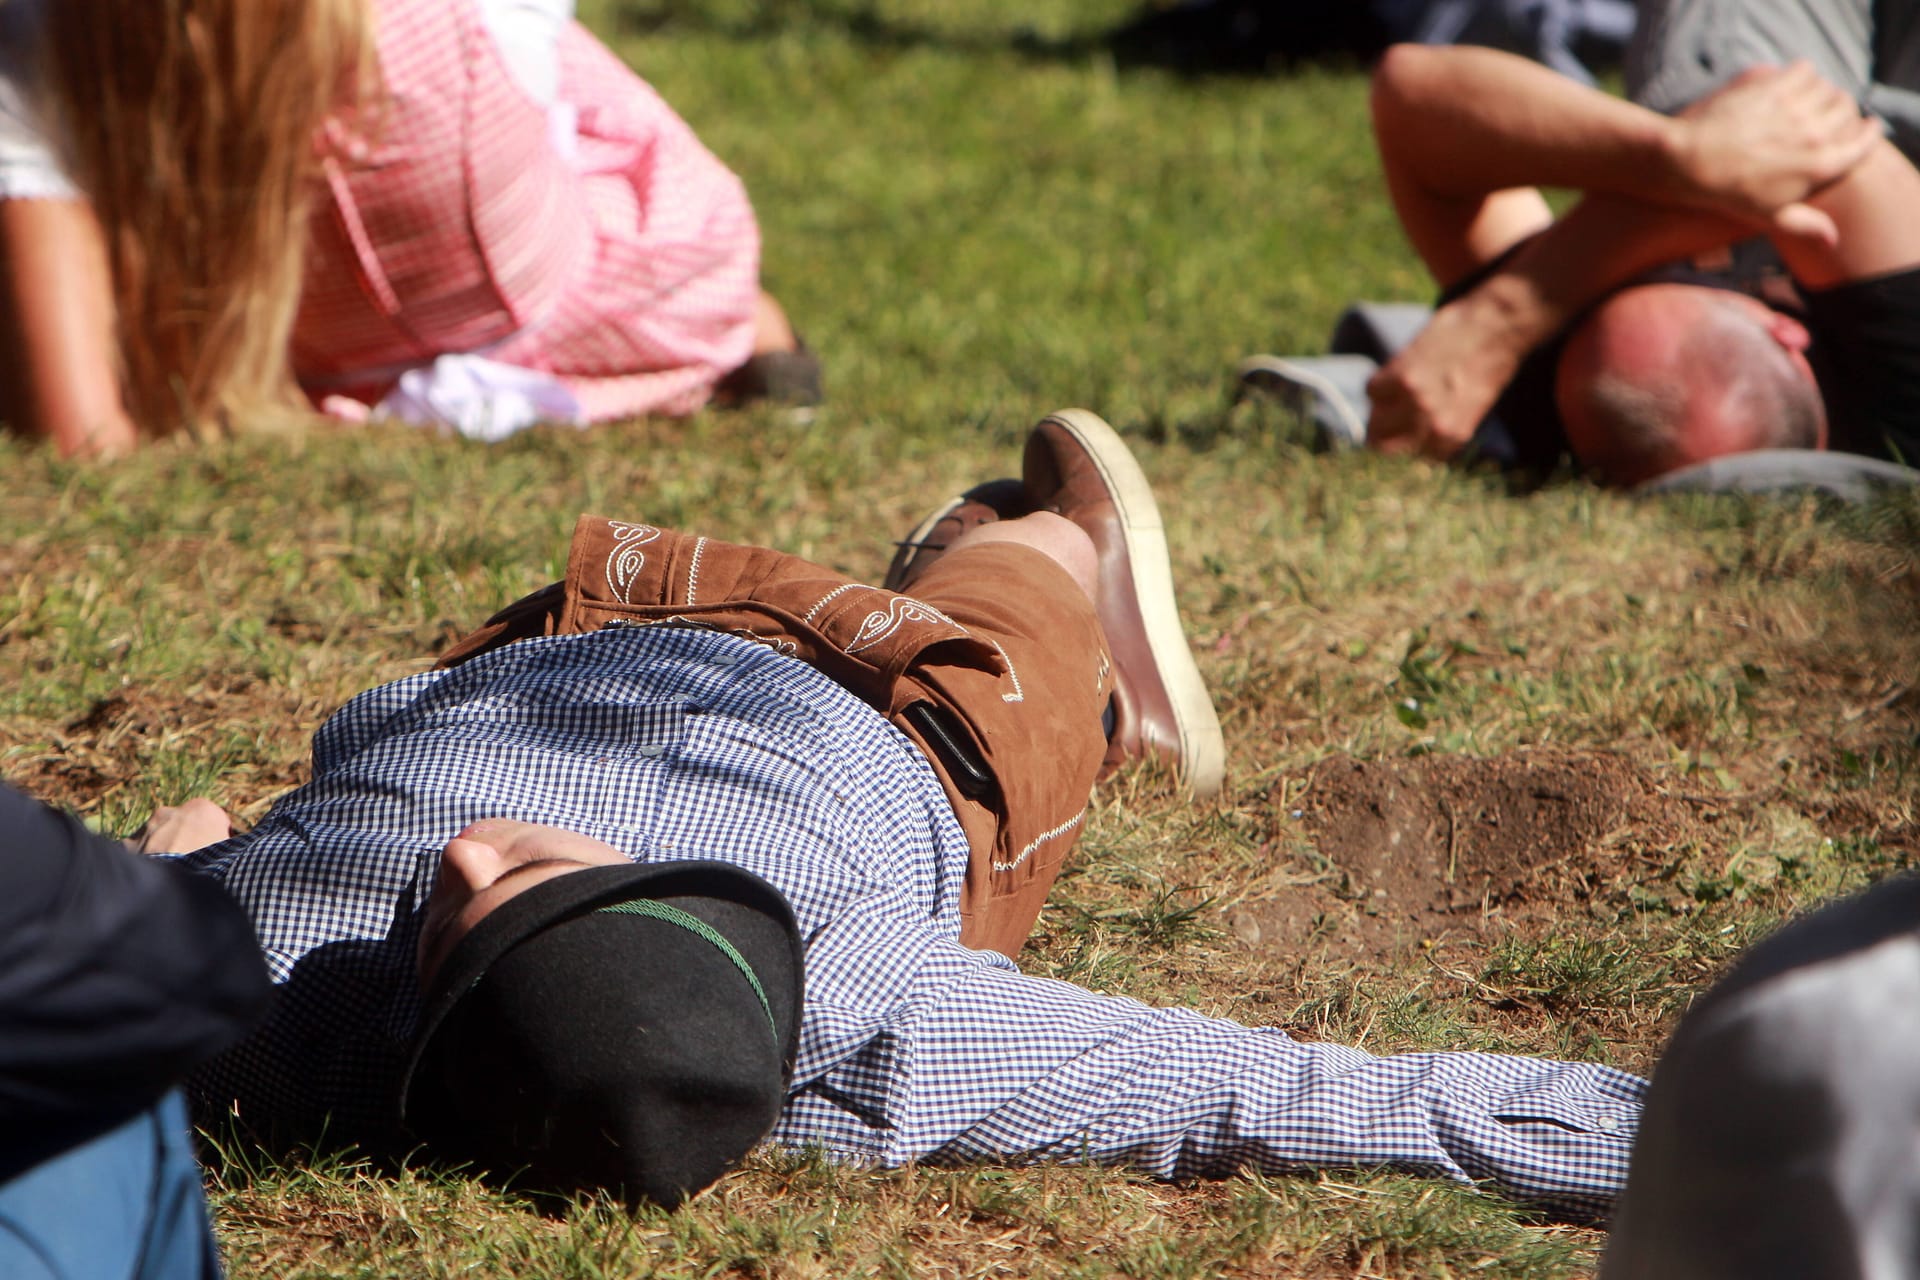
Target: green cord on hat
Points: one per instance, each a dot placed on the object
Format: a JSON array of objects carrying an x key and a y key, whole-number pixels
[{"x": 655, "y": 909}]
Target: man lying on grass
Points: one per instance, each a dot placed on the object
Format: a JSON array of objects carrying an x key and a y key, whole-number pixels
[
  {"x": 1598, "y": 334},
  {"x": 708, "y": 842}
]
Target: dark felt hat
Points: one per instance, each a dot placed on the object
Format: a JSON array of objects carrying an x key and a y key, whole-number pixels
[{"x": 629, "y": 1029}]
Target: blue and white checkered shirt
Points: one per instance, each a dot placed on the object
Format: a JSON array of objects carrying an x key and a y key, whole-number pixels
[{"x": 675, "y": 743}]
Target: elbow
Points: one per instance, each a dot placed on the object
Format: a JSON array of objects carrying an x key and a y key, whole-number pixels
[{"x": 1399, "y": 80}]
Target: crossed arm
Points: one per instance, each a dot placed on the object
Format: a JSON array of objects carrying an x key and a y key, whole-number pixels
[
  {"x": 970, "y": 1062},
  {"x": 1463, "y": 134}
]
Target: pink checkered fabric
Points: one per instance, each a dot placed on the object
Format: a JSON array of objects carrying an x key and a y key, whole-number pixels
[{"x": 455, "y": 223}]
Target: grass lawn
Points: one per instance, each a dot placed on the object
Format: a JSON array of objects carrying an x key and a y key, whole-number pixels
[{"x": 1507, "y": 772}]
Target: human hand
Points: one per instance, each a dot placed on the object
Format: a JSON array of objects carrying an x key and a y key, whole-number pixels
[
  {"x": 182, "y": 828},
  {"x": 1757, "y": 147},
  {"x": 1430, "y": 398}
]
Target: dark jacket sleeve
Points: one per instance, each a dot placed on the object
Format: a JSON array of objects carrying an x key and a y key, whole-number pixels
[{"x": 118, "y": 973}]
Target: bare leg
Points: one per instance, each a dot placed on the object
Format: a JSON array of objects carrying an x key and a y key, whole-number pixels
[
  {"x": 1055, "y": 537},
  {"x": 771, "y": 329},
  {"x": 1464, "y": 132},
  {"x": 779, "y": 370},
  {"x": 1872, "y": 208}
]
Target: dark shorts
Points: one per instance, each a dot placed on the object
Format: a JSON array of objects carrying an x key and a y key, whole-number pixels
[{"x": 1866, "y": 354}]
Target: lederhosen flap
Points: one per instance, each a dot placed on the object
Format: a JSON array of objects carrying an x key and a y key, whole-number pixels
[{"x": 864, "y": 638}]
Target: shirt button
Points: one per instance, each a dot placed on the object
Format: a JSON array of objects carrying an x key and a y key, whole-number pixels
[
  {"x": 725, "y": 658},
  {"x": 1606, "y": 1124},
  {"x": 649, "y": 749}
]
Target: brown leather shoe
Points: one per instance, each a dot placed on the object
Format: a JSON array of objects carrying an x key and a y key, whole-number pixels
[
  {"x": 982, "y": 504},
  {"x": 1077, "y": 465},
  {"x": 791, "y": 378}
]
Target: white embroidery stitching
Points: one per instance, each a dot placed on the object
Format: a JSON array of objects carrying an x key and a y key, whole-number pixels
[
  {"x": 1039, "y": 840},
  {"x": 877, "y": 626},
  {"x": 626, "y": 559},
  {"x": 1018, "y": 694},
  {"x": 779, "y": 644},
  {"x": 822, "y": 602},
  {"x": 693, "y": 569},
  {"x": 942, "y": 617}
]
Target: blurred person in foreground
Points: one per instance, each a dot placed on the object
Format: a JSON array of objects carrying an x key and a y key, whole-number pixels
[
  {"x": 463, "y": 212},
  {"x": 707, "y": 843},
  {"x": 117, "y": 976},
  {"x": 1624, "y": 333},
  {"x": 1781, "y": 1138}
]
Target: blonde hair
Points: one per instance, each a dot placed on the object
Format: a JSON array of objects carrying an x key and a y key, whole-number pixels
[{"x": 194, "y": 128}]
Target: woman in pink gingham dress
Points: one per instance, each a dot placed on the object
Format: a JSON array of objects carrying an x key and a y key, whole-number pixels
[{"x": 507, "y": 216}]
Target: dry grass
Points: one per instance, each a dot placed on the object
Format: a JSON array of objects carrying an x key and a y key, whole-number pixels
[{"x": 178, "y": 625}]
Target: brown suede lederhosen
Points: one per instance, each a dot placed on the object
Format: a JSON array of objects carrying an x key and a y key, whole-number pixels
[{"x": 995, "y": 667}]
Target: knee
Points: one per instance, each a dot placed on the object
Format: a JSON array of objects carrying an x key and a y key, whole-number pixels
[
  {"x": 1396, "y": 80},
  {"x": 1067, "y": 545},
  {"x": 1053, "y": 536},
  {"x": 1800, "y": 1049}
]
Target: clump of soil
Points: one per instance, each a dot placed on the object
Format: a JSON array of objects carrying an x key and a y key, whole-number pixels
[
  {"x": 1409, "y": 853},
  {"x": 126, "y": 736}
]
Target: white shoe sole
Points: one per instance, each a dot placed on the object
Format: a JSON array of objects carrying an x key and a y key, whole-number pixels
[
  {"x": 1330, "y": 391},
  {"x": 1203, "y": 751}
]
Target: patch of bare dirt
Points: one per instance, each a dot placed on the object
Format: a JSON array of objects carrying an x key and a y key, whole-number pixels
[
  {"x": 117, "y": 740},
  {"x": 1411, "y": 853}
]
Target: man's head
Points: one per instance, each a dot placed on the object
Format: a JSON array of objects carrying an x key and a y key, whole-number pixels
[
  {"x": 593, "y": 1023},
  {"x": 1661, "y": 376}
]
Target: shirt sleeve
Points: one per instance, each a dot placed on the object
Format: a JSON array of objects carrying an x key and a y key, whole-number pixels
[
  {"x": 982, "y": 1063},
  {"x": 29, "y": 166},
  {"x": 118, "y": 973}
]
